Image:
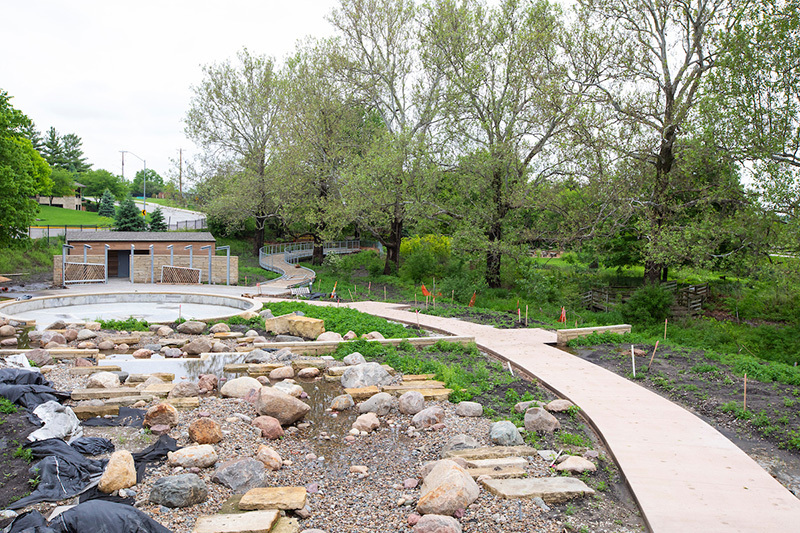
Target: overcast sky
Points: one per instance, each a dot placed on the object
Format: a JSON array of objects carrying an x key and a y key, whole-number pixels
[{"x": 119, "y": 74}]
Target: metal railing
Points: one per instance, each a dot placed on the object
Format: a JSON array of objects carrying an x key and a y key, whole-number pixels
[{"x": 273, "y": 256}]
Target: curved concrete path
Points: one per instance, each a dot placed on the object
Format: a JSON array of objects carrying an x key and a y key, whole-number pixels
[{"x": 686, "y": 476}]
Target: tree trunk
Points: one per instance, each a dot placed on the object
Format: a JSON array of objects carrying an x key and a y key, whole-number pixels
[
  {"x": 652, "y": 272},
  {"x": 393, "y": 248},
  {"x": 493, "y": 256},
  {"x": 318, "y": 254},
  {"x": 259, "y": 235}
]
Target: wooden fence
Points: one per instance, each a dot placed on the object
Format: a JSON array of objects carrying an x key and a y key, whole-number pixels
[{"x": 688, "y": 300}]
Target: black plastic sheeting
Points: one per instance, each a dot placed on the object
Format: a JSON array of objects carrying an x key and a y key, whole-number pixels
[
  {"x": 94, "y": 516},
  {"x": 63, "y": 472},
  {"x": 28, "y": 389},
  {"x": 128, "y": 416},
  {"x": 92, "y": 445},
  {"x": 152, "y": 454}
]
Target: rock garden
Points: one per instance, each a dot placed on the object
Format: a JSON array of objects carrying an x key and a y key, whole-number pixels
[{"x": 273, "y": 424}]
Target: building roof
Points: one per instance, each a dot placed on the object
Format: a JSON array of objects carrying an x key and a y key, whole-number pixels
[{"x": 140, "y": 236}]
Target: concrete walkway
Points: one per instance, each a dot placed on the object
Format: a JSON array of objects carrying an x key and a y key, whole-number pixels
[{"x": 686, "y": 476}]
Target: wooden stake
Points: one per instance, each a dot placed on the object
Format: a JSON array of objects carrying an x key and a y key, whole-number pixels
[
  {"x": 418, "y": 319},
  {"x": 651, "y": 357},
  {"x": 384, "y": 293},
  {"x": 519, "y": 316},
  {"x": 526, "y": 315},
  {"x": 369, "y": 288},
  {"x": 415, "y": 299},
  {"x": 351, "y": 294},
  {"x": 426, "y": 302},
  {"x": 633, "y": 362},
  {"x": 665, "y": 328},
  {"x": 453, "y": 296},
  {"x": 745, "y": 391}
]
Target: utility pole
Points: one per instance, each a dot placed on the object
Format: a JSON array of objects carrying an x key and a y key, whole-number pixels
[
  {"x": 180, "y": 173},
  {"x": 123, "y": 164}
]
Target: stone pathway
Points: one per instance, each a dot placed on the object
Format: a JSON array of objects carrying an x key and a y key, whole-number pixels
[{"x": 684, "y": 474}]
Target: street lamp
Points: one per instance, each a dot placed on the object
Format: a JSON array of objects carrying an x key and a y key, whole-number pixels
[{"x": 144, "y": 177}]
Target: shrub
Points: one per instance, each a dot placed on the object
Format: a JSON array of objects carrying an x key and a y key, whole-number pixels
[
  {"x": 424, "y": 256},
  {"x": 650, "y": 304},
  {"x": 537, "y": 285}
]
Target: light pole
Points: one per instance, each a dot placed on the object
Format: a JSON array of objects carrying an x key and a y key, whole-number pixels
[{"x": 144, "y": 178}]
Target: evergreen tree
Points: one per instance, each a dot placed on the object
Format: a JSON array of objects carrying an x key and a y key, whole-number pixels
[
  {"x": 157, "y": 222},
  {"x": 32, "y": 134},
  {"x": 106, "y": 208},
  {"x": 128, "y": 217},
  {"x": 73, "y": 153},
  {"x": 53, "y": 151}
]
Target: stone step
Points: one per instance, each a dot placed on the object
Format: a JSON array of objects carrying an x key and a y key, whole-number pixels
[
  {"x": 420, "y": 384},
  {"x": 252, "y": 368},
  {"x": 300, "y": 364},
  {"x": 173, "y": 342},
  {"x": 125, "y": 340},
  {"x": 192, "y": 402},
  {"x": 362, "y": 393},
  {"x": 418, "y": 377},
  {"x": 498, "y": 472},
  {"x": 286, "y": 525},
  {"x": 491, "y": 452},
  {"x": 519, "y": 462},
  {"x": 90, "y": 411},
  {"x": 86, "y": 370},
  {"x": 336, "y": 370},
  {"x": 428, "y": 394},
  {"x": 127, "y": 401},
  {"x": 228, "y": 335},
  {"x": 252, "y": 522},
  {"x": 75, "y": 353},
  {"x": 550, "y": 489},
  {"x": 101, "y": 394},
  {"x": 245, "y": 340},
  {"x": 273, "y": 498},
  {"x": 160, "y": 389},
  {"x": 166, "y": 377}
]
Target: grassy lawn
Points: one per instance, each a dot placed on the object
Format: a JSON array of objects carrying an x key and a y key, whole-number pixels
[{"x": 57, "y": 216}]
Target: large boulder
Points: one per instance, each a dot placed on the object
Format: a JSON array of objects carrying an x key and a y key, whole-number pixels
[
  {"x": 120, "y": 473},
  {"x": 192, "y": 327},
  {"x": 537, "y": 419},
  {"x": 576, "y": 465},
  {"x": 306, "y": 327},
  {"x": 207, "y": 383},
  {"x": 354, "y": 358},
  {"x": 367, "y": 422},
  {"x": 182, "y": 490},
  {"x": 342, "y": 402},
  {"x": 220, "y": 328},
  {"x": 282, "y": 372},
  {"x": 162, "y": 414},
  {"x": 330, "y": 336},
  {"x": 241, "y": 475},
  {"x": 277, "y": 404},
  {"x": 428, "y": 417},
  {"x": 143, "y": 353},
  {"x": 289, "y": 387},
  {"x": 436, "y": 523},
  {"x": 239, "y": 387},
  {"x": 447, "y": 488},
  {"x": 200, "y": 456},
  {"x": 198, "y": 346},
  {"x": 103, "y": 380},
  {"x": 184, "y": 389},
  {"x": 205, "y": 431},
  {"x": 278, "y": 325},
  {"x": 558, "y": 406},
  {"x": 460, "y": 442},
  {"x": 271, "y": 459},
  {"x": 505, "y": 433},
  {"x": 39, "y": 357},
  {"x": 85, "y": 335},
  {"x": 411, "y": 402},
  {"x": 469, "y": 409},
  {"x": 259, "y": 356},
  {"x": 380, "y": 404},
  {"x": 164, "y": 331},
  {"x": 49, "y": 337},
  {"x": 365, "y": 375},
  {"x": 270, "y": 427},
  {"x": 7, "y": 331}
]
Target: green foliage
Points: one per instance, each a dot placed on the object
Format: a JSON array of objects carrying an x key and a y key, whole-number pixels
[
  {"x": 255, "y": 322},
  {"x": 63, "y": 182},
  {"x": 128, "y": 217},
  {"x": 342, "y": 320},
  {"x": 129, "y": 324},
  {"x": 648, "y": 305},
  {"x": 26, "y": 454},
  {"x": 737, "y": 410},
  {"x": 155, "y": 183},
  {"x": 537, "y": 286},
  {"x": 23, "y": 175},
  {"x": 35, "y": 256},
  {"x": 106, "y": 208},
  {"x": 157, "y": 222},
  {"x": 7, "y": 406},
  {"x": 424, "y": 257},
  {"x": 98, "y": 181}
]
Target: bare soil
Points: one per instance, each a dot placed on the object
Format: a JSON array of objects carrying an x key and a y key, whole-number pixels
[{"x": 14, "y": 428}]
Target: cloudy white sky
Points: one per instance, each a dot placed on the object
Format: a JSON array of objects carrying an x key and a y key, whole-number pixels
[{"x": 119, "y": 74}]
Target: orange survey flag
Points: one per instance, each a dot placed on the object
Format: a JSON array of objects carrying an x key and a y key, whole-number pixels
[
  {"x": 472, "y": 300},
  {"x": 425, "y": 292},
  {"x": 563, "y": 317}
]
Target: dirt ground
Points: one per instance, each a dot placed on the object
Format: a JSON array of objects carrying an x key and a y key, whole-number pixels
[
  {"x": 14, "y": 428},
  {"x": 768, "y": 430}
]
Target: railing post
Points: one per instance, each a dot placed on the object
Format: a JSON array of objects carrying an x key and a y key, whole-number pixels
[
  {"x": 106, "y": 262},
  {"x": 208, "y": 247},
  {"x": 131, "y": 262}
]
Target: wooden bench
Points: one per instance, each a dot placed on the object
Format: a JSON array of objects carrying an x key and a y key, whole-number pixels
[{"x": 297, "y": 292}]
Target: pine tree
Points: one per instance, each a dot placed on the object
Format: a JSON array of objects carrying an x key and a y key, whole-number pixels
[
  {"x": 157, "y": 222},
  {"x": 128, "y": 217},
  {"x": 106, "y": 208},
  {"x": 73, "y": 153},
  {"x": 54, "y": 149}
]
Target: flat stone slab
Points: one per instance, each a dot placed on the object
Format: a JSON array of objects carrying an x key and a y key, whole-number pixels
[
  {"x": 126, "y": 401},
  {"x": 336, "y": 370},
  {"x": 286, "y": 525},
  {"x": 418, "y": 377},
  {"x": 550, "y": 489},
  {"x": 497, "y": 472},
  {"x": 166, "y": 377},
  {"x": 160, "y": 389},
  {"x": 125, "y": 340},
  {"x": 420, "y": 384},
  {"x": 251, "y": 368},
  {"x": 101, "y": 394},
  {"x": 299, "y": 364},
  {"x": 253, "y": 522},
  {"x": 228, "y": 335},
  {"x": 362, "y": 393},
  {"x": 519, "y": 462},
  {"x": 491, "y": 452},
  {"x": 428, "y": 394},
  {"x": 184, "y": 403},
  {"x": 90, "y": 411},
  {"x": 273, "y": 498},
  {"x": 172, "y": 342},
  {"x": 87, "y": 370}
]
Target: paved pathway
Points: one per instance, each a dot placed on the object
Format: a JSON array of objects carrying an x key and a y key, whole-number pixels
[{"x": 685, "y": 475}]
